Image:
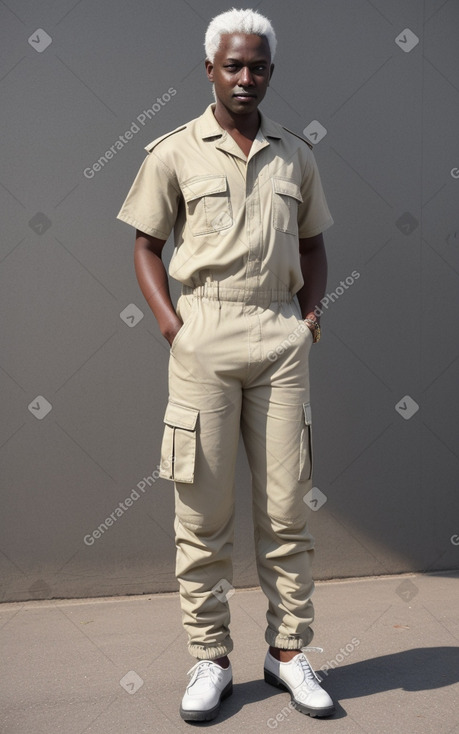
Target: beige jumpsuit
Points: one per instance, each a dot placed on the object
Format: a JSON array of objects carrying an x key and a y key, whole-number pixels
[{"x": 239, "y": 363}]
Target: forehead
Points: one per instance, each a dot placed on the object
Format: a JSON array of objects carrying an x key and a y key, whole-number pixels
[{"x": 239, "y": 45}]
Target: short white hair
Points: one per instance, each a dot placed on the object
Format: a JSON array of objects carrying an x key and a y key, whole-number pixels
[{"x": 238, "y": 21}]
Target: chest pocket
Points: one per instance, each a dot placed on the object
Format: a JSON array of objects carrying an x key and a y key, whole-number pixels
[
  {"x": 286, "y": 197},
  {"x": 208, "y": 205}
]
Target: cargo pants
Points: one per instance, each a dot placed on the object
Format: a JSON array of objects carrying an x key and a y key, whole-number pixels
[{"x": 239, "y": 364}]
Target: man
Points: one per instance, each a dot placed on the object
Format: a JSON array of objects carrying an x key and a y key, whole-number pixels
[{"x": 244, "y": 198}]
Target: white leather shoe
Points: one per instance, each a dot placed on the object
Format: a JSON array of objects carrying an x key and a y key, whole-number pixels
[
  {"x": 209, "y": 685},
  {"x": 299, "y": 679}
]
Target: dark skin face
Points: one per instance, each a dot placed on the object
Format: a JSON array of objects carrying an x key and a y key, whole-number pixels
[{"x": 241, "y": 72}]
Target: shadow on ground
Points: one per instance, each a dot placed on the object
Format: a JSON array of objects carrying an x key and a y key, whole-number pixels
[{"x": 420, "y": 669}]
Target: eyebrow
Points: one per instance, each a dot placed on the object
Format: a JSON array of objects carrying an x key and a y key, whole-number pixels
[{"x": 256, "y": 61}]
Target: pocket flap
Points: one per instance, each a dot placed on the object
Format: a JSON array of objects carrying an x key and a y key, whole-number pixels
[
  {"x": 287, "y": 187},
  {"x": 307, "y": 413},
  {"x": 200, "y": 186},
  {"x": 179, "y": 416}
]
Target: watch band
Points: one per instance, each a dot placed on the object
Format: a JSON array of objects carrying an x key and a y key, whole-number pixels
[{"x": 316, "y": 329}]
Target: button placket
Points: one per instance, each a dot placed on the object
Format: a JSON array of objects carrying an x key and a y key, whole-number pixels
[{"x": 254, "y": 228}]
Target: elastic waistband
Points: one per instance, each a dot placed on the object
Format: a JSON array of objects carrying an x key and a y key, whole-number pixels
[{"x": 213, "y": 291}]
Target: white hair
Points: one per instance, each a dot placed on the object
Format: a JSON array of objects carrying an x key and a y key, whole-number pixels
[{"x": 238, "y": 21}]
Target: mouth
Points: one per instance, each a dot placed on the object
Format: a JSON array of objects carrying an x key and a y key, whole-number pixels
[{"x": 244, "y": 96}]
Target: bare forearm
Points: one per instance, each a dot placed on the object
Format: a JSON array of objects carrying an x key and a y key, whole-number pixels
[
  {"x": 153, "y": 282},
  {"x": 313, "y": 262}
]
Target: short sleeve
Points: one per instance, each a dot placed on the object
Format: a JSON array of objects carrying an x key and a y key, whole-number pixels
[
  {"x": 153, "y": 200},
  {"x": 313, "y": 214}
]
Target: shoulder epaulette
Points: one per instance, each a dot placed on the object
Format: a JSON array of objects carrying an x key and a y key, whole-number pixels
[
  {"x": 154, "y": 143},
  {"x": 298, "y": 136}
]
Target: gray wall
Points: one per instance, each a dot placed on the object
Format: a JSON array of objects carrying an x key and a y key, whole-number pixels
[{"x": 71, "y": 338}]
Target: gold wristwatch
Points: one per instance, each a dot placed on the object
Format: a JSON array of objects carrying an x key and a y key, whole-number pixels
[{"x": 315, "y": 329}]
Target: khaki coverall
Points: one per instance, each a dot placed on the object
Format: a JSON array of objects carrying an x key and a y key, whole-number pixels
[{"x": 239, "y": 362}]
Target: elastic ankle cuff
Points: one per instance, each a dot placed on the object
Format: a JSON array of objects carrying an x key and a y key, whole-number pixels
[
  {"x": 288, "y": 642},
  {"x": 210, "y": 652}
]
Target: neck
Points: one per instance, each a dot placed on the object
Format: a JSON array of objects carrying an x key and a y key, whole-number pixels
[{"x": 246, "y": 125}]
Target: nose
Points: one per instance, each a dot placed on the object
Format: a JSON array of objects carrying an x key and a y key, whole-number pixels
[{"x": 245, "y": 77}]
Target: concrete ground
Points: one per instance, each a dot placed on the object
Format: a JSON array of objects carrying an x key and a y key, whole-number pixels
[{"x": 118, "y": 665}]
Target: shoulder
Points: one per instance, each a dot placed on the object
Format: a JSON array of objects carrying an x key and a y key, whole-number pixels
[
  {"x": 159, "y": 140},
  {"x": 276, "y": 130},
  {"x": 295, "y": 135},
  {"x": 173, "y": 136}
]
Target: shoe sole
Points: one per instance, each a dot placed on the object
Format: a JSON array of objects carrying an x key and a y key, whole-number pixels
[
  {"x": 210, "y": 713},
  {"x": 273, "y": 680}
]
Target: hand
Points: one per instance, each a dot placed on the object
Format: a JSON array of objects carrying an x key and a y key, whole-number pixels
[{"x": 171, "y": 331}]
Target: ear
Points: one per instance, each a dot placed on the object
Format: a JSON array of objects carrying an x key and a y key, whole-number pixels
[
  {"x": 209, "y": 70},
  {"x": 271, "y": 72}
]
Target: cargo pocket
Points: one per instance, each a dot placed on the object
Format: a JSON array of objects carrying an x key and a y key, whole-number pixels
[
  {"x": 306, "y": 445},
  {"x": 208, "y": 206},
  {"x": 178, "y": 449},
  {"x": 286, "y": 197}
]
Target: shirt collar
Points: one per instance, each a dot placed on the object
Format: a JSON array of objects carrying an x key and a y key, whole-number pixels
[{"x": 211, "y": 129}]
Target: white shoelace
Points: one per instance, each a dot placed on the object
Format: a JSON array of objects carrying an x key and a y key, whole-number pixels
[
  {"x": 310, "y": 675},
  {"x": 203, "y": 669}
]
